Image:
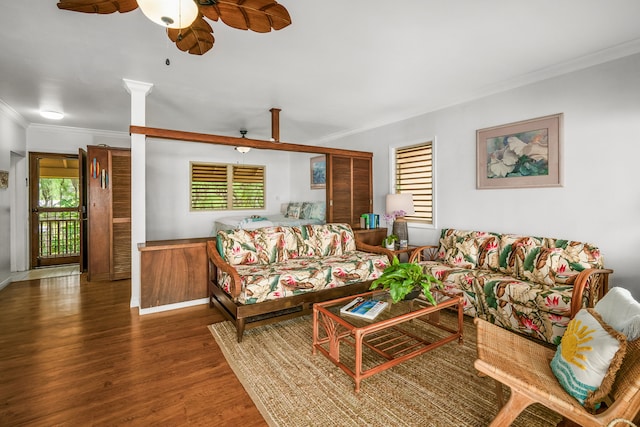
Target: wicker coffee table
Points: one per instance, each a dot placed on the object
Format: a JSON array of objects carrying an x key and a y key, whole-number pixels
[{"x": 400, "y": 332}]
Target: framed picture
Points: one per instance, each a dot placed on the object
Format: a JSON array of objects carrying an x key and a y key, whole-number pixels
[
  {"x": 520, "y": 155},
  {"x": 318, "y": 172},
  {"x": 4, "y": 180}
]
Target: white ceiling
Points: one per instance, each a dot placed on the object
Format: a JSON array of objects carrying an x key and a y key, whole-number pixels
[{"x": 341, "y": 67}]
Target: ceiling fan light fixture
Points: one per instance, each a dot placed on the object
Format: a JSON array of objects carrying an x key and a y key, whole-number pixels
[
  {"x": 170, "y": 13},
  {"x": 50, "y": 114},
  {"x": 243, "y": 150}
]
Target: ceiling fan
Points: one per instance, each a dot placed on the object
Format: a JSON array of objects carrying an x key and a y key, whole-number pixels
[{"x": 184, "y": 19}]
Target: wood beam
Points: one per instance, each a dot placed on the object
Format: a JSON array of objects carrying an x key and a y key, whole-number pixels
[
  {"x": 275, "y": 124},
  {"x": 177, "y": 135}
]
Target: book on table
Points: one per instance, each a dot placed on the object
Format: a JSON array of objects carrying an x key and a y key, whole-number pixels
[{"x": 366, "y": 308}]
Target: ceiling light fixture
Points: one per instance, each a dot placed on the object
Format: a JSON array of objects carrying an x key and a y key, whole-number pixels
[
  {"x": 53, "y": 115},
  {"x": 170, "y": 13},
  {"x": 243, "y": 150}
]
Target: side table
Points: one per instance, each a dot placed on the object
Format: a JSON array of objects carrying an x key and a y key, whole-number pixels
[{"x": 405, "y": 251}]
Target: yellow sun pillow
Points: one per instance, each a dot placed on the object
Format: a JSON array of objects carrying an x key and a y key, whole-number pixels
[{"x": 588, "y": 357}]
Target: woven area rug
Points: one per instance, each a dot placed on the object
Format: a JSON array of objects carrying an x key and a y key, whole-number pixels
[{"x": 292, "y": 387}]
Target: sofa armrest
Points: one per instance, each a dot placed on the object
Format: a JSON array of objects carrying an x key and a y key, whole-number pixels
[
  {"x": 361, "y": 246},
  {"x": 595, "y": 281},
  {"x": 424, "y": 253},
  {"x": 218, "y": 262}
]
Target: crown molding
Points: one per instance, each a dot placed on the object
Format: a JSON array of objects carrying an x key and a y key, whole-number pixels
[
  {"x": 6, "y": 110},
  {"x": 84, "y": 131}
]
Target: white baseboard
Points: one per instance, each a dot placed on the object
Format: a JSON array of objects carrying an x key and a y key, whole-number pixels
[{"x": 175, "y": 306}]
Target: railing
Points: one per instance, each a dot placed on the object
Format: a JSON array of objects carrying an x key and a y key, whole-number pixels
[{"x": 59, "y": 234}]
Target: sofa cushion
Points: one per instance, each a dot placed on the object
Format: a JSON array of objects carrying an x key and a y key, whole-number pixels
[
  {"x": 509, "y": 290},
  {"x": 237, "y": 246},
  {"x": 573, "y": 257},
  {"x": 512, "y": 247},
  {"x": 334, "y": 239},
  {"x": 456, "y": 280},
  {"x": 539, "y": 265},
  {"x": 275, "y": 244},
  {"x": 277, "y": 280},
  {"x": 488, "y": 250}
]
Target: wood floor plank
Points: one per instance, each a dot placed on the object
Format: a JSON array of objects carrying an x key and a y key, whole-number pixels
[{"x": 75, "y": 353}]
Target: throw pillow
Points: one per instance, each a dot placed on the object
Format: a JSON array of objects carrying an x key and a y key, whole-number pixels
[
  {"x": 293, "y": 211},
  {"x": 305, "y": 210},
  {"x": 588, "y": 357},
  {"x": 318, "y": 211},
  {"x": 621, "y": 311}
]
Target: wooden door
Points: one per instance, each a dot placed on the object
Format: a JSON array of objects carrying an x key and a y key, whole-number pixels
[
  {"x": 54, "y": 206},
  {"x": 109, "y": 213},
  {"x": 98, "y": 214}
]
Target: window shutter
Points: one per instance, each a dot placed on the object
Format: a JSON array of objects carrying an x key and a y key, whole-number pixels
[
  {"x": 227, "y": 186},
  {"x": 414, "y": 174},
  {"x": 248, "y": 187},
  {"x": 208, "y": 186}
]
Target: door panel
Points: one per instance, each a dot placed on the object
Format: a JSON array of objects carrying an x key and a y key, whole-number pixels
[
  {"x": 349, "y": 189},
  {"x": 82, "y": 178}
]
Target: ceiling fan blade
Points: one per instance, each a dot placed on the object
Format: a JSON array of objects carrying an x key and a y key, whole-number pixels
[
  {"x": 197, "y": 39},
  {"x": 99, "y": 6},
  {"x": 257, "y": 15}
]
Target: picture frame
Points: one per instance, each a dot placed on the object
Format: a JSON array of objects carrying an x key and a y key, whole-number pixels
[
  {"x": 318, "y": 172},
  {"x": 522, "y": 154},
  {"x": 4, "y": 180}
]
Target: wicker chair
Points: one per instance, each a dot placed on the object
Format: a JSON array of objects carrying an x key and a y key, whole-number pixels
[{"x": 524, "y": 366}]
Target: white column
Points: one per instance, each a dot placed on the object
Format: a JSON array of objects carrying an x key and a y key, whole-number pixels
[{"x": 138, "y": 91}]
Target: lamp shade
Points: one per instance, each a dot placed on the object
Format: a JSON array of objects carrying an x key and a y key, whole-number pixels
[
  {"x": 400, "y": 202},
  {"x": 170, "y": 13}
]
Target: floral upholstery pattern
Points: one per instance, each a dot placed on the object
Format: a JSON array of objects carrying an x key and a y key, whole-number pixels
[
  {"x": 294, "y": 260},
  {"x": 522, "y": 283}
]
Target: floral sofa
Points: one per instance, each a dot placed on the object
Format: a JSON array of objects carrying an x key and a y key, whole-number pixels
[
  {"x": 272, "y": 273},
  {"x": 532, "y": 285}
]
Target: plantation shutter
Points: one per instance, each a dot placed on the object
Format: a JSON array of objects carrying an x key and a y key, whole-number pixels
[
  {"x": 208, "y": 186},
  {"x": 248, "y": 187},
  {"x": 226, "y": 186},
  {"x": 414, "y": 174}
]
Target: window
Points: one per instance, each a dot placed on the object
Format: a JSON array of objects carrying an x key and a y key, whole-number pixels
[
  {"x": 414, "y": 174},
  {"x": 216, "y": 186}
]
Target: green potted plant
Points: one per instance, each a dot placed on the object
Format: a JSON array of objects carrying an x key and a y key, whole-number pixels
[
  {"x": 389, "y": 242},
  {"x": 401, "y": 278}
]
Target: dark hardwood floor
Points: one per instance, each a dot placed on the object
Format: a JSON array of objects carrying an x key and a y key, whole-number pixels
[{"x": 73, "y": 353}]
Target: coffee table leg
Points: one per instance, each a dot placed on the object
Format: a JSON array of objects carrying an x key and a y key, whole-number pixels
[
  {"x": 315, "y": 331},
  {"x": 358, "y": 360}
]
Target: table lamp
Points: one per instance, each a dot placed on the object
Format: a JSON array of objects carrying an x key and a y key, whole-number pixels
[{"x": 399, "y": 205}]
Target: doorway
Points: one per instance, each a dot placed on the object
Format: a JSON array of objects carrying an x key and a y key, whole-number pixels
[{"x": 55, "y": 204}]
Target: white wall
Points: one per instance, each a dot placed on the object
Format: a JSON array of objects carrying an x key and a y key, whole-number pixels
[
  {"x": 12, "y": 140},
  {"x": 600, "y": 199},
  {"x": 301, "y": 180},
  {"x": 167, "y": 173}
]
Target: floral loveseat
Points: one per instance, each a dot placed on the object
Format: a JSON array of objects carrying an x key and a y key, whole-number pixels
[
  {"x": 272, "y": 273},
  {"x": 532, "y": 285}
]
